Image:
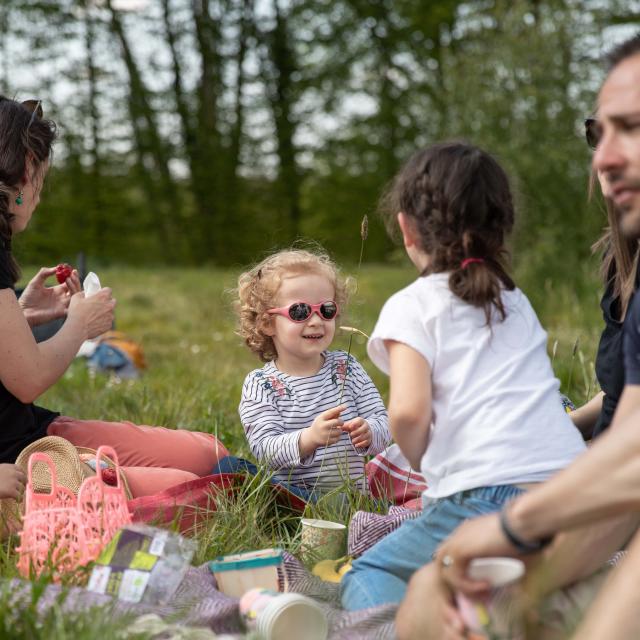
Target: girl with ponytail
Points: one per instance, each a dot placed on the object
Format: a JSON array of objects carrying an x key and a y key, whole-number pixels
[{"x": 474, "y": 404}]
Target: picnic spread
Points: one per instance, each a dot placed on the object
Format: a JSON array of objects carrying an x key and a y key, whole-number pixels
[{"x": 79, "y": 517}]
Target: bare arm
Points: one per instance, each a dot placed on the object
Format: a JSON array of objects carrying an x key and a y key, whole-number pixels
[
  {"x": 616, "y": 611},
  {"x": 585, "y": 417},
  {"x": 27, "y": 368},
  {"x": 581, "y": 552},
  {"x": 409, "y": 400}
]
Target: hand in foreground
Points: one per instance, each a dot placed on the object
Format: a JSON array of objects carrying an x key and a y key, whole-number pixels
[
  {"x": 12, "y": 481},
  {"x": 42, "y": 304},
  {"x": 359, "y": 431},
  {"x": 478, "y": 538},
  {"x": 324, "y": 430},
  {"x": 428, "y": 611},
  {"x": 95, "y": 312}
]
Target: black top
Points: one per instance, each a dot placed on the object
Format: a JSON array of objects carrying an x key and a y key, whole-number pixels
[
  {"x": 20, "y": 424},
  {"x": 632, "y": 343},
  {"x": 610, "y": 369}
]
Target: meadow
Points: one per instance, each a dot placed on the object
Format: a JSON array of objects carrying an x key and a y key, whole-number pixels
[{"x": 183, "y": 318}]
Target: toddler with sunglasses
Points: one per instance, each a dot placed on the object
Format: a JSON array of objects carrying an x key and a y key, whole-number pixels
[
  {"x": 310, "y": 414},
  {"x": 474, "y": 403}
]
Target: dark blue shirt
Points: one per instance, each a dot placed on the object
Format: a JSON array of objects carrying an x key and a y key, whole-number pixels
[{"x": 632, "y": 342}]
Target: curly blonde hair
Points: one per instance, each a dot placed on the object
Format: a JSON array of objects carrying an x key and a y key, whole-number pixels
[{"x": 258, "y": 287}]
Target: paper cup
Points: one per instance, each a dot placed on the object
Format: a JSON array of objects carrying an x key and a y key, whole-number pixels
[
  {"x": 323, "y": 540},
  {"x": 283, "y": 616},
  {"x": 493, "y": 617}
]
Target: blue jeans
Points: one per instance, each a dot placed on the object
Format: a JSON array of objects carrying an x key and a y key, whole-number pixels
[
  {"x": 231, "y": 464},
  {"x": 381, "y": 574}
]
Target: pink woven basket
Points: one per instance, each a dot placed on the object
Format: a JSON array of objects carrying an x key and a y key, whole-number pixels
[{"x": 62, "y": 532}]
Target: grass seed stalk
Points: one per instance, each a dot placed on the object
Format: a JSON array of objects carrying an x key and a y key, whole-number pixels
[{"x": 364, "y": 232}]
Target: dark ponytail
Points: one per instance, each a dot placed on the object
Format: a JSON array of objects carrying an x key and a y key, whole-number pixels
[
  {"x": 22, "y": 134},
  {"x": 459, "y": 199}
]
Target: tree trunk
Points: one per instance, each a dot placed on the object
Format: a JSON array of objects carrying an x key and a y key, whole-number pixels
[
  {"x": 100, "y": 221},
  {"x": 281, "y": 90},
  {"x": 150, "y": 144},
  {"x": 207, "y": 160}
]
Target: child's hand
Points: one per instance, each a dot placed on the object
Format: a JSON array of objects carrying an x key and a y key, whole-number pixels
[
  {"x": 326, "y": 429},
  {"x": 359, "y": 431},
  {"x": 12, "y": 481}
]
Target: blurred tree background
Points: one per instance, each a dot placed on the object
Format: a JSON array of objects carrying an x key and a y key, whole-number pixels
[{"x": 211, "y": 131}]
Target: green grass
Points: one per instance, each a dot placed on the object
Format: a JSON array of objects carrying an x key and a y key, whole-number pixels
[{"x": 184, "y": 321}]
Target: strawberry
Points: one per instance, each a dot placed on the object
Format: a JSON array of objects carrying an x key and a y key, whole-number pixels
[{"x": 63, "y": 271}]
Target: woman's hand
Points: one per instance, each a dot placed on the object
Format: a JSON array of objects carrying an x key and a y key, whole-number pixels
[
  {"x": 41, "y": 304},
  {"x": 12, "y": 481},
  {"x": 95, "y": 312}
]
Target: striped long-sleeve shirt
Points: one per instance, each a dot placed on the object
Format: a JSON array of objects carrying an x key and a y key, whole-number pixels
[{"x": 275, "y": 407}]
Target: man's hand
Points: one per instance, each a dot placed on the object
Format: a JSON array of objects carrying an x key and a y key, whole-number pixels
[
  {"x": 42, "y": 304},
  {"x": 359, "y": 431},
  {"x": 324, "y": 430},
  {"x": 427, "y": 611},
  {"x": 478, "y": 538}
]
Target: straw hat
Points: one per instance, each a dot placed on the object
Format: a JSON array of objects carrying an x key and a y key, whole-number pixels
[
  {"x": 90, "y": 454},
  {"x": 70, "y": 469},
  {"x": 70, "y": 463}
]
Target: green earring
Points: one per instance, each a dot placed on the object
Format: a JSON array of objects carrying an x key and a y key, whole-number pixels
[{"x": 19, "y": 197}]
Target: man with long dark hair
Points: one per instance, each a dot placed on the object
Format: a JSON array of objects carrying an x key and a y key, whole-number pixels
[{"x": 590, "y": 508}]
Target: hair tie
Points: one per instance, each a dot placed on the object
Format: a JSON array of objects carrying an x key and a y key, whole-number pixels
[{"x": 467, "y": 261}]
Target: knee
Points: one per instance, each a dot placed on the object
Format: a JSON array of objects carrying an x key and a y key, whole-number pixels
[
  {"x": 422, "y": 587},
  {"x": 354, "y": 593}
]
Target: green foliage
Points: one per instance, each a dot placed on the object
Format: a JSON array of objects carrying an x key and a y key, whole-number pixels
[
  {"x": 210, "y": 132},
  {"x": 23, "y": 617}
]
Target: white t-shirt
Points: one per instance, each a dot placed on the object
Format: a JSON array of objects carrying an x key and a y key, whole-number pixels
[{"x": 497, "y": 415}]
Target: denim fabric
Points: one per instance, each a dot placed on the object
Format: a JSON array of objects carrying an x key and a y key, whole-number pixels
[
  {"x": 380, "y": 576},
  {"x": 231, "y": 464}
]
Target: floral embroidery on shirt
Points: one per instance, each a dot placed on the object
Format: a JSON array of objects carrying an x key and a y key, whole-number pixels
[
  {"x": 274, "y": 384},
  {"x": 340, "y": 369}
]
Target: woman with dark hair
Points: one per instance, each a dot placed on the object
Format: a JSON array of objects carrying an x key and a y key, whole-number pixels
[{"x": 154, "y": 457}]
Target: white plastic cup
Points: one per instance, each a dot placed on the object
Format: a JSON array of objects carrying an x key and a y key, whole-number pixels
[
  {"x": 91, "y": 284},
  {"x": 492, "y": 617},
  {"x": 283, "y": 616},
  {"x": 323, "y": 539}
]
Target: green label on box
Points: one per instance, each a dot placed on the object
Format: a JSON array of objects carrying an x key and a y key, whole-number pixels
[{"x": 143, "y": 561}]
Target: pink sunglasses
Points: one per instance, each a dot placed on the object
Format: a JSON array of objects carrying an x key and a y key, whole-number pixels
[{"x": 302, "y": 311}]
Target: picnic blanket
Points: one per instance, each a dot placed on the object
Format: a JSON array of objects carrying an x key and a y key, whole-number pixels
[{"x": 198, "y": 603}]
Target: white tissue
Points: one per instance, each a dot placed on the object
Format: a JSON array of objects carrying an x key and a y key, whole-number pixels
[{"x": 91, "y": 284}]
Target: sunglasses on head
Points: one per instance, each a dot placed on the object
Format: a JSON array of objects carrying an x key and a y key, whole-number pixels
[
  {"x": 35, "y": 107},
  {"x": 302, "y": 311},
  {"x": 592, "y": 132}
]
